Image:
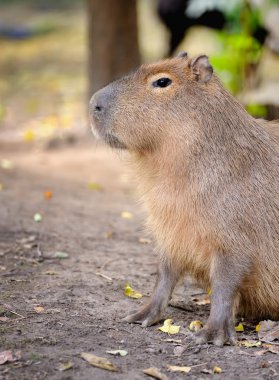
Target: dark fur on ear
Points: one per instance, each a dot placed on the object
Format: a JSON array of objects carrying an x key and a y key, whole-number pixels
[
  {"x": 182, "y": 54},
  {"x": 201, "y": 68}
]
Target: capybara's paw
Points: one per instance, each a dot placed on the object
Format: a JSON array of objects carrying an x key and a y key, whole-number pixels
[
  {"x": 217, "y": 335},
  {"x": 146, "y": 316}
]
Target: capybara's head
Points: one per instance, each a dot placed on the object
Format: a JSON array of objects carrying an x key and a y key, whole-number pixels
[{"x": 141, "y": 110}]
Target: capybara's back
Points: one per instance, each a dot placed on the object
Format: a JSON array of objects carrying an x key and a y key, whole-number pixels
[{"x": 209, "y": 178}]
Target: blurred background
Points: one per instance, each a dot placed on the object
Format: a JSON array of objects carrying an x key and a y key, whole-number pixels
[{"x": 56, "y": 53}]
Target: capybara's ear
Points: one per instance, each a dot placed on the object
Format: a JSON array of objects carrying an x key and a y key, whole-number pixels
[
  {"x": 201, "y": 68},
  {"x": 182, "y": 54}
]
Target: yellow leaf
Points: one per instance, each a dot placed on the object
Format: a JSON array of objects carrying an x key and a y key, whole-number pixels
[
  {"x": 175, "y": 368},
  {"x": 169, "y": 328},
  {"x": 239, "y": 327},
  {"x": 39, "y": 309},
  {"x": 250, "y": 343},
  {"x": 126, "y": 215},
  {"x": 195, "y": 326},
  {"x": 130, "y": 292},
  {"x": 99, "y": 362},
  {"x": 94, "y": 186},
  {"x": 65, "y": 366},
  {"x": 29, "y": 135},
  {"x": 217, "y": 369},
  {"x": 209, "y": 292},
  {"x": 258, "y": 327}
]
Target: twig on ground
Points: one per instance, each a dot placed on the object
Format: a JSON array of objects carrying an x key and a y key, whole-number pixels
[{"x": 104, "y": 276}]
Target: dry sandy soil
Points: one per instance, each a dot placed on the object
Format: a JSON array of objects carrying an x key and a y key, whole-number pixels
[{"x": 82, "y": 296}]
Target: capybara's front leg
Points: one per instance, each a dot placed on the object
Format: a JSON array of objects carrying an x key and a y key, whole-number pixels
[
  {"x": 226, "y": 277},
  {"x": 153, "y": 311}
]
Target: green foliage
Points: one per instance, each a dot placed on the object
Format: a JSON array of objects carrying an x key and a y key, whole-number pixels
[
  {"x": 239, "y": 50},
  {"x": 256, "y": 110}
]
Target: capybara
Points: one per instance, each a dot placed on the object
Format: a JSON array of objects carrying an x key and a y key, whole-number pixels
[{"x": 209, "y": 178}]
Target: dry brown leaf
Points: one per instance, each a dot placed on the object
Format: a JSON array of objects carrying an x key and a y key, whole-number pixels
[
  {"x": 269, "y": 331},
  {"x": 154, "y": 372},
  {"x": 143, "y": 240},
  {"x": 271, "y": 348},
  {"x": 9, "y": 356},
  {"x": 202, "y": 300},
  {"x": 99, "y": 362},
  {"x": 175, "y": 368},
  {"x": 39, "y": 309}
]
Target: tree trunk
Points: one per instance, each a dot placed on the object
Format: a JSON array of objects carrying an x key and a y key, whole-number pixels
[{"x": 113, "y": 40}]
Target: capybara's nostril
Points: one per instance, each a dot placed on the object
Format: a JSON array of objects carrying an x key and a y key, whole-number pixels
[
  {"x": 99, "y": 102},
  {"x": 98, "y": 108}
]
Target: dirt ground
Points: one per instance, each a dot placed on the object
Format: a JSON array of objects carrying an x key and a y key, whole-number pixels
[{"x": 82, "y": 296}]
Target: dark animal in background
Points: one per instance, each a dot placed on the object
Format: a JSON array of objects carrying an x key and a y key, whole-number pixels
[{"x": 173, "y": 15}]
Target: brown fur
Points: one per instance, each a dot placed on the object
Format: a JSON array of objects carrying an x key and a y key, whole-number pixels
[{"x": 209, "y": 178}]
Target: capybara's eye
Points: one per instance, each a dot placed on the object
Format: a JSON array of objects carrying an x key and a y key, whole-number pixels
[{"x": 162, "y": 82}]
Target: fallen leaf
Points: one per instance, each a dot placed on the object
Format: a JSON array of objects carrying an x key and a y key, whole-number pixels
[
  {"x": 48, "y": 195},
  {"x": 207, "y": 371},
  {"x": 9, "y": 356},
  {"x": 269, "y": 331},
  {"x": 169, "y": 328},
  {"x": 154, "y": 372},
  {"x": 144, "y": 240},
  {"x": 61, "y": 255},
  {"x": 51, "y": 273},
  {"x": 39, "y": 309},
  {"x": 94, "y": 186},
  {"x": 195, "y": 326},
  {"x": 202, "y": 300},
  {"x": 37, "y": 217},
  {"x": 239, "y": 327},
  {"x": 6, "y": 164},
  {"x": 99, "y": 362},
  {"x": 65, "y": 366},
  {"x": 250, "y": 343},
  {"x": 109, "y": 234},
  {"x": 175, "y": 368},
  {"x": 217, "y": 369},
  {"x": 271, "y": 348},
  {"x": 130, "y": 292},
  {"x": 258, "y": 327},
  {"x": 126, "y": 215},
  {"x": 117, "y": 352},
  {"x": 29, "y": 135}
]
